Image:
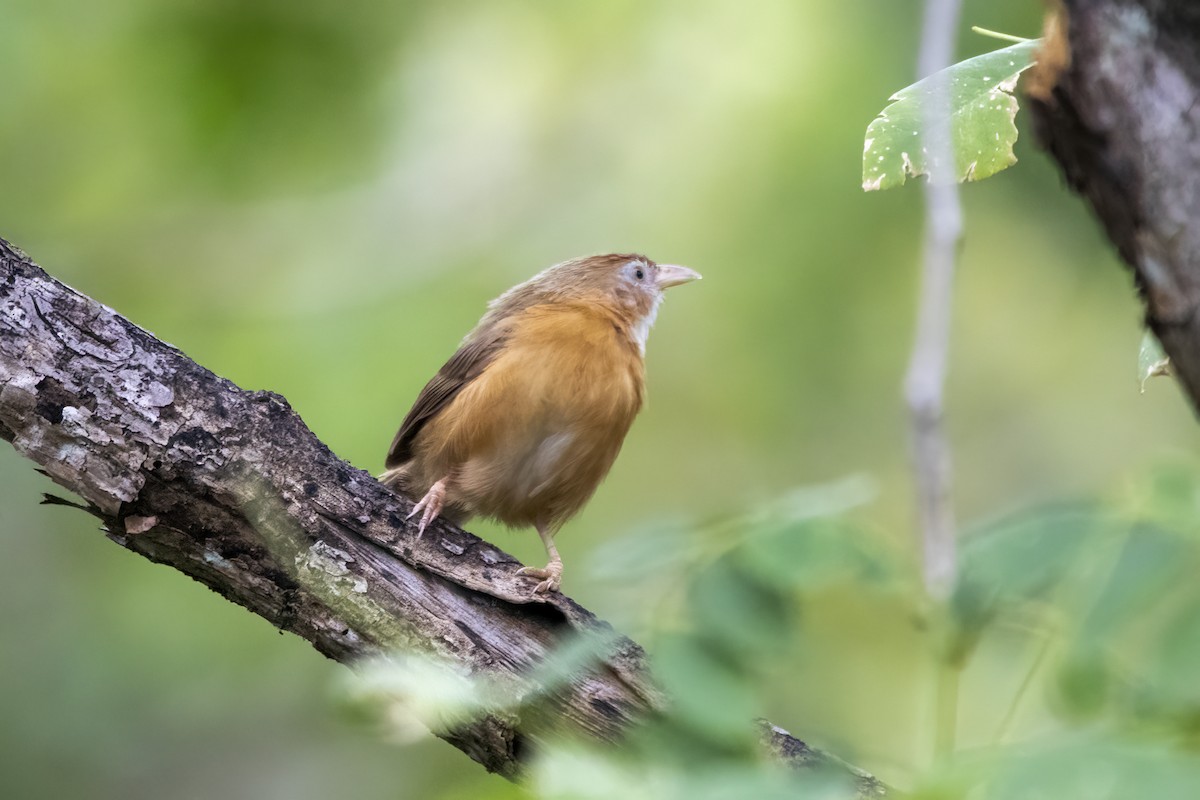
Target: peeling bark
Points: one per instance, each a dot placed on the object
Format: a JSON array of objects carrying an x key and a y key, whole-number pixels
[
  {"x": 1120, "y": 111},
  {"x": 230, "y": 487}
]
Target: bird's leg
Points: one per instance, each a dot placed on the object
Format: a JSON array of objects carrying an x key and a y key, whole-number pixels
[
  {"x": 430, "y": 504},
  {"x": 552, "y": 572}
]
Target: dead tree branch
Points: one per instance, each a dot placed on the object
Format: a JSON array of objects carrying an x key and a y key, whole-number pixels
[{"x": 230, "y": 487}]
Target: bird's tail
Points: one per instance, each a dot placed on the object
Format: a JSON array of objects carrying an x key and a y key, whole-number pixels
[{"x": 397, "y": 479}]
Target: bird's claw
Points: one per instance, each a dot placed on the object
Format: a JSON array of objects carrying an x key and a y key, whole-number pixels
[
  {"x": 430, "y": 506},
  {"x": 551, "y": 573}
]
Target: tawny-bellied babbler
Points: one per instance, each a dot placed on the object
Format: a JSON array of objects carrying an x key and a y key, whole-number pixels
[{"x": 524, "y": 421}]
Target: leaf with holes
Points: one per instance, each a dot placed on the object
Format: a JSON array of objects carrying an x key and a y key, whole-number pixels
[{"x": 982, "y": 111}]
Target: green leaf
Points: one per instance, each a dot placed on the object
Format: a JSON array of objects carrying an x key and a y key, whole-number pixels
[
  {"x": 1152, "y": 361},
  {"x": 738, "y": 615},
  {"x": 1027, "y": 557},
  {"x": 1166, "y": 494},
  {"x": 710, "y": 697},
  {"x": 982, "y": 111},
  {"x": 1152, "y": 560},
  {"x": 1172, "y": 688},
  {"x": 1095, "y": 765},
  {"x": 811, "y": 555}
]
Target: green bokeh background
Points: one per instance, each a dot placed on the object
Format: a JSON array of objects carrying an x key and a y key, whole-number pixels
[{"x": 318, "y": 198}]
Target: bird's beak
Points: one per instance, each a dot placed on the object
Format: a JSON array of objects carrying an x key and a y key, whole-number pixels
[{"x": 673, "y": 275}]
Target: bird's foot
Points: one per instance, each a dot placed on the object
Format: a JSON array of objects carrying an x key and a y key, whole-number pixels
[
  {"x": 430, "y": 506},
  {"x": 551, "y": 575}
]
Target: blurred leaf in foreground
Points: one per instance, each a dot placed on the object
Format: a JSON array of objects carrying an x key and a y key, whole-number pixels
[
  {"x": 581, "y": 774},
  {"x": 1025, "y": 558},
  {"x": 1095, "y": 766},
  {"x": 1167, "y": 494}
]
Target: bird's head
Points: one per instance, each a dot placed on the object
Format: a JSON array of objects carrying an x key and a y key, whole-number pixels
[{"x": 629, "y": 284}]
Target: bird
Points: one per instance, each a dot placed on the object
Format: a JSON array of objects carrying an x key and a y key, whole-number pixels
[{"x": 526, "y": 418}]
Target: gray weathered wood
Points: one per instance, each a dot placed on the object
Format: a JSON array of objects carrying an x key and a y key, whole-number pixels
[
  {"x": 230, "y": 487},
  {"x": 1123, "y": 120}
]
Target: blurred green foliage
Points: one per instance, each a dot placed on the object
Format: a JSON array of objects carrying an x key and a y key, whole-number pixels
[{"x": 319, "y": 199}]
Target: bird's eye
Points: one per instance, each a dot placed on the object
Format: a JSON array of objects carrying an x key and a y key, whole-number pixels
[{"x": 639, "y": 273}]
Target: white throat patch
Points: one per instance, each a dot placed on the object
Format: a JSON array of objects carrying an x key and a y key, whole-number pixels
[{"x": 641, "y": 328}]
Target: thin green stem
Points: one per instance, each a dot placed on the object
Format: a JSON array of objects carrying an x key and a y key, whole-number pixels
[
  {"x": 1006, "y": 37},
  {"x": 1035, "y": 666},
  {"x": 946, "y": 732}
]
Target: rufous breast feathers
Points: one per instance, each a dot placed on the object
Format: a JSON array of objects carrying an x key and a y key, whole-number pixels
[{"x": 530, "y": 438}]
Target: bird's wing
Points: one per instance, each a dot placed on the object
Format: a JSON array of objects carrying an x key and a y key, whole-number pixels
[{"x": 464, "y": 366}]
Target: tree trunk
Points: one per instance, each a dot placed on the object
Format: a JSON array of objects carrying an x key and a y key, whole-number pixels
[{"x": 1116, "y": 100}]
